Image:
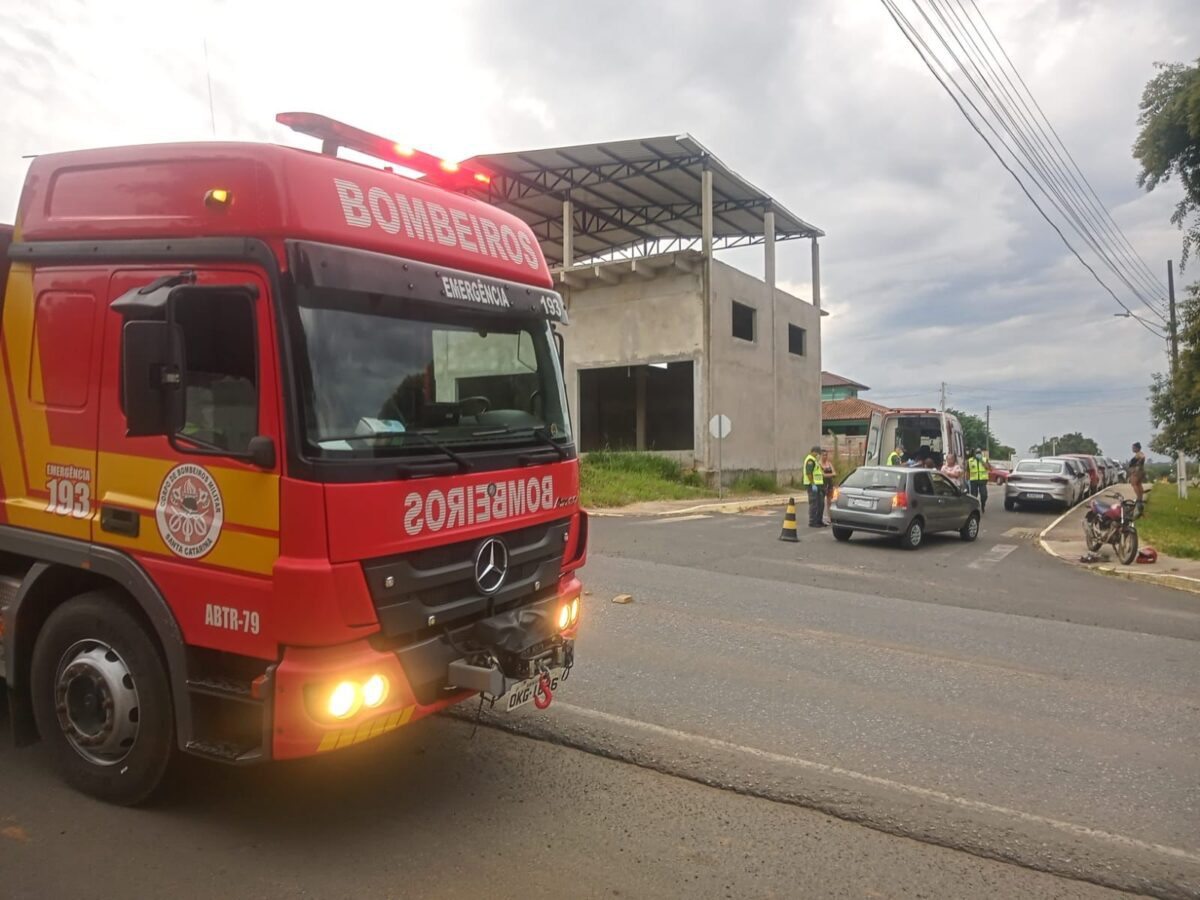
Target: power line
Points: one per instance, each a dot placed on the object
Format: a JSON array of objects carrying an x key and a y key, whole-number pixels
[
  {"x": 1150, "y": 272},
  {"x": 1047, "y": 183},
  {"x": 1092, "y": 209},
  {"x": 913, "y": 37}
]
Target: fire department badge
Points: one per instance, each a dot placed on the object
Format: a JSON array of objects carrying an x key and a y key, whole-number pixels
[{"x": 190, "y": 511}]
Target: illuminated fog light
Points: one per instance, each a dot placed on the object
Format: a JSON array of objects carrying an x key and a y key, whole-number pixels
[
  {"x": 345, "y": 700},
  {"x": 374, "y": 691},
  {"x": 564, "y": 616},
  {"x": 575, "y": 610}
]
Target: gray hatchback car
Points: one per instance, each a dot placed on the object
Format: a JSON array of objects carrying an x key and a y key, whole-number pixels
[{"x": 904, "y": 503}]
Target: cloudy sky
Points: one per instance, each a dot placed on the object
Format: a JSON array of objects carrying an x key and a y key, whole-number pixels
[{"x": 935, "y": 268}]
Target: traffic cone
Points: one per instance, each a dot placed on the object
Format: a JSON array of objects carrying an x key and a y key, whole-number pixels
[{"x": 789, "y": 522}]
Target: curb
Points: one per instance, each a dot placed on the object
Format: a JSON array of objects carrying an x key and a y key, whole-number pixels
[
  {"x": 1190, "y": 584},
  {"x": 727, "y": 506}
]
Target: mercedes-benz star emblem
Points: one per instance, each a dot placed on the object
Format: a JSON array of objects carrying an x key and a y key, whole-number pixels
[{"x": 491, "y": 565}]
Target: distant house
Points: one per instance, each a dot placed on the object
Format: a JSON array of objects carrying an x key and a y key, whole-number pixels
[{"x": 843, "y": 412}]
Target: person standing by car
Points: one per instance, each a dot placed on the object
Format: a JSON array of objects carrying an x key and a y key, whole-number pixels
[
  {"x": 952, "y": 470},
  {"x": 1137, "y": 474},
  {"x": 829, "y": 473},
  {"x": 896, "y": 457},
  {"x": 977, "y": 471},
  {"x": 814, "y": 486}
]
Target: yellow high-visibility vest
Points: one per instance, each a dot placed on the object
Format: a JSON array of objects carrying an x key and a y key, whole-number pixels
[
  {"x": 977, "y": 468},
  {"x": 894, "y": 458},
  {"x": 818, "y": 475}
]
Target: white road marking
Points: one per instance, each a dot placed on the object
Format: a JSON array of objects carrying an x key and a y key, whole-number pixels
[
  {"x": 914, "y": 790},
  {"x": 993, "y": 556},
  {"x": 663, "y": 519}
]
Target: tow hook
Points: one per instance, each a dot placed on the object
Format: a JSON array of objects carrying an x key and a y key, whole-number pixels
[{"x": 542, "y": 696}]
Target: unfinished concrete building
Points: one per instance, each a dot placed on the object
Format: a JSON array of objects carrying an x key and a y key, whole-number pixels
[{"x": 663, "y": 336}]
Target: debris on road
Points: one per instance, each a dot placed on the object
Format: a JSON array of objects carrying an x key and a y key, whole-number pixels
[{"x": 623, "y": 598}]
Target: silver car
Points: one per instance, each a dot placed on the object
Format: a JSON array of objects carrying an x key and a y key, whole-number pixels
[
  {"x": 904, "y": 503},
  {"x": 1038, "y": 481}
]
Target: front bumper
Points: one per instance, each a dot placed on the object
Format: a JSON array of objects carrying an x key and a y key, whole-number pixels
[{"x": 306, "y": 674}]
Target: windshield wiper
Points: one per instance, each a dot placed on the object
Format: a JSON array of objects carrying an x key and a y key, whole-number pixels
[
  {"x": 538, "y": 431},
  {"x": 464, "y": 465}
]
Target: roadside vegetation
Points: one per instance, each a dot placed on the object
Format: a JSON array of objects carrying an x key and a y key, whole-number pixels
[
  {"x": 1171, "y": 525},
  {"x": 611, "y": 478}
]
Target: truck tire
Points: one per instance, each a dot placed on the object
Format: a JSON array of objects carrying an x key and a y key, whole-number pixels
[{"x": 102, "y": 699}]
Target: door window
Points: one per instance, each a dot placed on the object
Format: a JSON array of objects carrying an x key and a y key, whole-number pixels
[
  {"x": 922, "y": 484},
  {"x": 942, "y": 486}
]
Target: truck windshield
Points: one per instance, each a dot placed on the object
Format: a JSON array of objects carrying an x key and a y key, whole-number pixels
[{"x": 376, "y": 368}]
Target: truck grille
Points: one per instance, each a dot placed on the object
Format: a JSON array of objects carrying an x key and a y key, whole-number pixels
[{"x": 439, "y": 583}]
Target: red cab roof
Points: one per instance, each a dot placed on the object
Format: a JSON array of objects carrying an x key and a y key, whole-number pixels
[{"x": 272, "y": 193}]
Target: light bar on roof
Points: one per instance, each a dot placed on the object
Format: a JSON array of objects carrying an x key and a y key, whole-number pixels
[{"x": 334, "y": 134}]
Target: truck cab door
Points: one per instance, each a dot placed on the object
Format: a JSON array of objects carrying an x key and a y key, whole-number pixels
[
  {"x": 187, "y": 499},
  {"x": 874, "y": 436}
]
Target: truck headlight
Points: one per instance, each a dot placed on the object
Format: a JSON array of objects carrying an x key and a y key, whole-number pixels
[
  {"x": 574, "y": 610},
  {"x": 374, "y": 690},
  {"x": 564, "y": 616},
  {"x": 344, "y": 700}
]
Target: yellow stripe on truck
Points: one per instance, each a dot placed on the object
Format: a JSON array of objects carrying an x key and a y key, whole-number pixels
[{"x": 371, "y": 728}]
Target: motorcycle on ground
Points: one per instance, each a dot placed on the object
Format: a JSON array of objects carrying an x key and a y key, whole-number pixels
[{"x": 1110, "y": 520}]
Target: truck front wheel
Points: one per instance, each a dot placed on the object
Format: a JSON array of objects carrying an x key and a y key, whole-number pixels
[{"x": 101, "y": 699}]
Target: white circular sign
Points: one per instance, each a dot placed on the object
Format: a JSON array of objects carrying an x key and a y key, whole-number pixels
[
  {"x": 190, "y": 511},
  {"x": 719, "y": 426}
]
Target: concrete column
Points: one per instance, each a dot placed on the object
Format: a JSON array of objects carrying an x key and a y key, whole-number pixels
[
  {"x": 706, "y": 240},
  {"x": 816, "y": 274},
  {"x": 769, "y": 279},
  {"x": 568, "y": 242},
  {"x": 640, "y": 405}
]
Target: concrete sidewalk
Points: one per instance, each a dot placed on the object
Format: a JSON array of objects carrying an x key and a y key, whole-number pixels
[
  {"x": 1063, "y": 538},
  {"x": 708, "y": 505}
]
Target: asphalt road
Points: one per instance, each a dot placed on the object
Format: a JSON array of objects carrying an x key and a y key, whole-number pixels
[{"x": 729, "y": 733}]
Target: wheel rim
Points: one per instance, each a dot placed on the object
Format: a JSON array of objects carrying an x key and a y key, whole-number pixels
[
  {"x": 97, "y": 702},
  {"x": 914, "y": 533},
  {"x": 972, "y": 527}
]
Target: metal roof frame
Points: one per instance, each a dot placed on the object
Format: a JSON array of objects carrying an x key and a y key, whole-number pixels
[{"x": 630, "y": 198}]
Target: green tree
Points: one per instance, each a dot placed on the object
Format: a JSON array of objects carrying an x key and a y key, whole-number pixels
[
  {"x": 1169, "y": 142},
  {"x": 975, "y": 434},
  {"x": 1074, "y": 442},
  {"x": 1175, "y": 401}
]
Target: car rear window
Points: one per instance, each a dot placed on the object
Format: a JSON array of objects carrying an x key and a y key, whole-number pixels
[
  {"x": 875, "y": 479},
  {"x": 1040, "y": 468}
]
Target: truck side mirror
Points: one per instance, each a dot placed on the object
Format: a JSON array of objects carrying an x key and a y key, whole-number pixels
[{"x": 147, "y": 377}]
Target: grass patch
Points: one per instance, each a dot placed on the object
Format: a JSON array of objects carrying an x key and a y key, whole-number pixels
[
  {"x": 754, "y": 483},
  {"x": 1171, "y": 525},
  {"x": 609, "y": 478}
]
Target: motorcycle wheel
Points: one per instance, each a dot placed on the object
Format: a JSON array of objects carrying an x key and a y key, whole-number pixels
[
  {"x": 1090, "y": 535},
  {"x": 1127, "y": 545}
]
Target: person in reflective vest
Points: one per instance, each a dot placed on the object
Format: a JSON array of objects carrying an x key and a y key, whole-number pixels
[
  {"x": 977, "y": 471},
  {"x": 814, "y": 486},
  {"x": 896, "y": 457}
]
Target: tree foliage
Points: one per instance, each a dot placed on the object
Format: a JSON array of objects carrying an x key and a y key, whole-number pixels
[
  {"x": 1073, "y": 442},
  {"x": 1169, "y": 142},
  {"x": 975, "y": 434},
  {"x": 1175, "y": 401}
]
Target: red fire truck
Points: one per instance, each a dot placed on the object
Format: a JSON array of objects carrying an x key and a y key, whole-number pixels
[{"x": 285, "y": 459}]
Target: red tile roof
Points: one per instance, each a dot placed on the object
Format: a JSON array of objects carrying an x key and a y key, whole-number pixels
[{"x": 850, "y": 409}]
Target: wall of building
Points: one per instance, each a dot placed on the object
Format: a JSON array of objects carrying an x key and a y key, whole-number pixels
[
  {"x": 633, "y": 322},
  {"x": 742, "y": 376}
]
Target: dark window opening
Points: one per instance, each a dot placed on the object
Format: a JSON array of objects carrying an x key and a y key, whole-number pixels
[
  {"x": 637, "y": 407},
  {"x": 743, "y": 321},
  {"x": 221, "y": 393},
  {"x": 796, "y": 340}
]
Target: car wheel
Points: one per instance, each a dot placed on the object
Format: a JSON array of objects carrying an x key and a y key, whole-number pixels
[
  {"x": 970, "y": 531},
  {"x": 1010, "y": 505},
  {"x": 913, "y": 536},
  {"x": 842, "y": 533},
  {"x": 101, "y": 699}
]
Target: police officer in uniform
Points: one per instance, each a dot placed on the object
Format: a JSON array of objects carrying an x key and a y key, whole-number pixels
[
  {"x": 814, "y": 486},
  {"x": 977, "y": 471}
]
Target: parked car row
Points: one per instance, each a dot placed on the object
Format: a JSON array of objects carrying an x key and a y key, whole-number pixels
[{"x": 1061, "y": 480}]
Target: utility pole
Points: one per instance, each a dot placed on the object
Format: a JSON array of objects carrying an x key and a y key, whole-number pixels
[
  {"x": 987, "y": 430},
  {"x": 943, "y": 396},
  {"x": 1173, "y": 337}
]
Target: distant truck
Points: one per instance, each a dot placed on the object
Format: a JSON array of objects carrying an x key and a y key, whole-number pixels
[
  {"x": 940, "y": 432},
  {"x": 285, "y": 459}
]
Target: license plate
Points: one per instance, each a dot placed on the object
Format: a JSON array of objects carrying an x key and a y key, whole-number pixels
[
  {"x": 1036, "y": 496},
  {"x": 862, "y": 504},
  {"x": 523, "y": 692}
]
